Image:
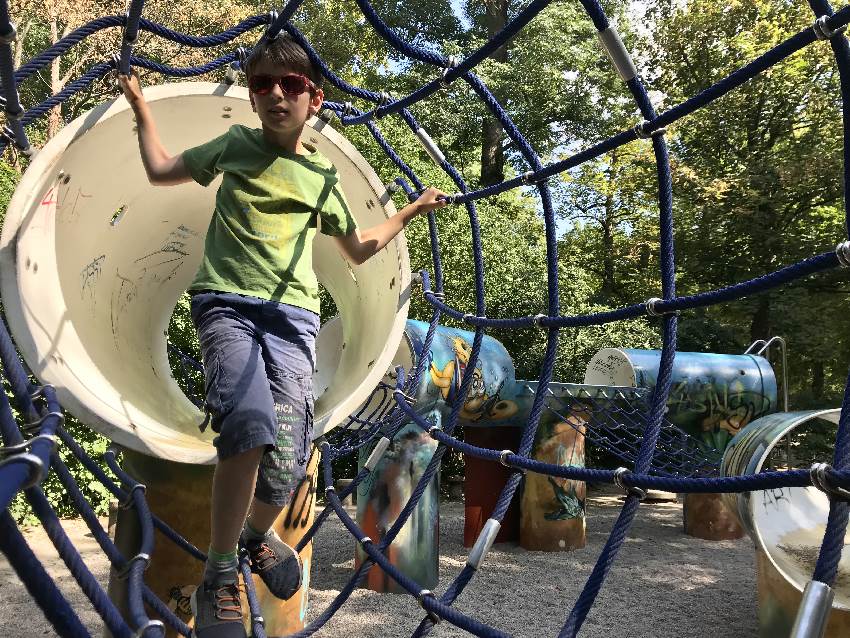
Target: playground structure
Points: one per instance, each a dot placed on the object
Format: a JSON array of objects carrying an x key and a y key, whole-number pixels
[{"x": 112, "y": 369}]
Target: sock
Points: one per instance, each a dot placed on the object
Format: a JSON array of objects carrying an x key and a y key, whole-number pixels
[
  {"x": 251, "y": 534},
  {"x": 220, "y": 567}
]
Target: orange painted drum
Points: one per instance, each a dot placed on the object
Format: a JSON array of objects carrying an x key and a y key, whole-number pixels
[
  {"x": 179, "y": 494},
  {"x": 706, "y": 516},
  {"x": 484, "y": 481}
]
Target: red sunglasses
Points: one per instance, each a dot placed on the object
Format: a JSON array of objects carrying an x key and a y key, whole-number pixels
[{"x": 293, "y": 84}]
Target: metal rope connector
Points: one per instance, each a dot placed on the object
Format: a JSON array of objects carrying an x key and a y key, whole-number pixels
[
  {"x": 503, "y": 458},
  {"x": 822, "y": 30},
  {"x": 421, "y": 597},
  {"x": 453, "y": 61},
  {"x": 842, "y": 251},
  {"x": 127, "y": 40},
  {"x": 538, "y": 320},
  {"x": 11, "y": 450},
  {"x": 11, "y": 36},
  {"x": 651, "y": 309},
  {"x": 364, "y": 540},
  {"x": 630, "y": 490},
  {"x": 124, "y": 572},
  {"x": 384, "y": 98},
  {"x": 483, "y": 543},
  {"x": 347, "y": 109},
  {"x": 439, "y": 295},
  {"x": 38, "y": 471},
  {"x": 818, "y": 474},
  {"x": 151, "y": 624},
  {"x": 34, "y": 426},
  {"x": 432, "y": 431},
  {"x": 642, "y": 131},
  {"x": 376, "y": 455},
  {"x": 129, "y": 501}
]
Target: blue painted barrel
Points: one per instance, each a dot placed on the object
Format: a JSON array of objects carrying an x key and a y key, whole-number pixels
[
  {"x": 490, "y": 399},
  {"x": 712, "y": 397}
]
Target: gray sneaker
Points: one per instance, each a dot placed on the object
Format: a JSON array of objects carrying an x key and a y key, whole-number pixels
[{"x": 217, "y": 608}]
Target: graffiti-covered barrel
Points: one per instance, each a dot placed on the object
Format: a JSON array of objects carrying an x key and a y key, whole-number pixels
[
  {"x": 439, "y": 386},
  {"x": 382, "y": 496},
  {"x": 787, "y": 526},
  {"x": 712, "y": 396}
]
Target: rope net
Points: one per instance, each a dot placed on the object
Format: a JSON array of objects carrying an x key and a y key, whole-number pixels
[{"x": 632, "y": 427}]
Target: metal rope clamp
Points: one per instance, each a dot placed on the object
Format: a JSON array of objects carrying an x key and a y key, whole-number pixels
[
  {"x": 129, "y": 501},
  {"x": 842, "y": 251},
  {"x": 124, "y": 572},
  {"x": 130, "y": 41},
  {"x": 38, "y": 471},
  {"x": 630, "y": 490},
  {"x": 652, "y": 311},
  {"x": 384, "y": 98},
  {"x": 432, "y": 431},
  {"x": 8, "y": 38},
  {"x": 822, "y": 30},
  {"x": 642, "y": 132},
  {"x": 12, "y": 450},
  {"x": 453, "y": 61},
  {"x": 34, "y": 426},
  {"x": 538, "y": 320},
  {"x": 820, "y": 480},
  {"x": 438, "y": 295},
  {"x": 347, "y": 109},
  {"x": 432, "y": 615},
  {"x": 141, "y": 631}
]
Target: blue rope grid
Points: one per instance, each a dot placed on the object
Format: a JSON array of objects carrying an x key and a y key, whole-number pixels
[{"x": 644, "y": 435}]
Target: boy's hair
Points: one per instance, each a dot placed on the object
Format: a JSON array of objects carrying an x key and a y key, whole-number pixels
[{"x": 286, "y": 52}]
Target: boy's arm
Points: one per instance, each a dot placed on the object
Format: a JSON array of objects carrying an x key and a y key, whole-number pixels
[
  {"x": 162, "y": 169},
  {"x": 359, "y": 246}
]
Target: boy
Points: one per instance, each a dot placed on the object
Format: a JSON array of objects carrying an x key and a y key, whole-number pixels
[{"x": 255, "y": 306}]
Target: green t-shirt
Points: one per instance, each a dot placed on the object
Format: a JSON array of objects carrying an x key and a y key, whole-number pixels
[{"x": 267, "y": 210}]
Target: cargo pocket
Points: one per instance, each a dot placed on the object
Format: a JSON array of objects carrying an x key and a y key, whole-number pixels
[{"x": 216, "y": 404}]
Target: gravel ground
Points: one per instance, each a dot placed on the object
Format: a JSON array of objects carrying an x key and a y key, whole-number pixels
[{"x": 663, "y": 583}]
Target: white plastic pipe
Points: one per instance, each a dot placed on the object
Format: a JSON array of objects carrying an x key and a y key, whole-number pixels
[{"x": 93, "y": 260}]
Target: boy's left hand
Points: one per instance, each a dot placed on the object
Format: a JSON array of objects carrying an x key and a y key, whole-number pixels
[{"x": 428, "y": 201}]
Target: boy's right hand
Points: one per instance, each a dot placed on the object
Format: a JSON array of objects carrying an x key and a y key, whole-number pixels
[{"x": 131, "y": 87}]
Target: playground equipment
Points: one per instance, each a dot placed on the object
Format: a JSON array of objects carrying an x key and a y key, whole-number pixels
[
  {"x": 646, "y": 440},
  {"x": 712, "y": 397},
  {"x": 786, "y": 525},
  {"x": 91, "y": 266}
]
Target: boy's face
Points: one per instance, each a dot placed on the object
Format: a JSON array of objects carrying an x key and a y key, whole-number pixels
[{"x": 279, "y": 111}]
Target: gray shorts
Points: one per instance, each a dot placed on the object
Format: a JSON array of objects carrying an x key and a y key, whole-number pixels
[{"x": 258, "y": 363}]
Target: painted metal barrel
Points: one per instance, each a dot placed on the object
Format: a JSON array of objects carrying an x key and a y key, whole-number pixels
[
  {"x": 494, "y": 378},
  {"x": 712, "y": 397},
  {"x": 381, "y": 497},
  {"x": 553, "y": 509},
  {"x": 786, "y": 524}
]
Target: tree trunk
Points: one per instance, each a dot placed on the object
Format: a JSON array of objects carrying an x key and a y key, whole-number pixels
[
  {"x": 817, "y": 379},
  {"x": 54, "y": 118},
  {"x": 760, "y": 325},
  {"x": 492, "y": 155}
]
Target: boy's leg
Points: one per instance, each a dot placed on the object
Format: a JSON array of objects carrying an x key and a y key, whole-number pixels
[
  {"x": 241, "y": 408},
  {"x": 288, "y": 351},
  {"x": 233, "y": 489}
]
